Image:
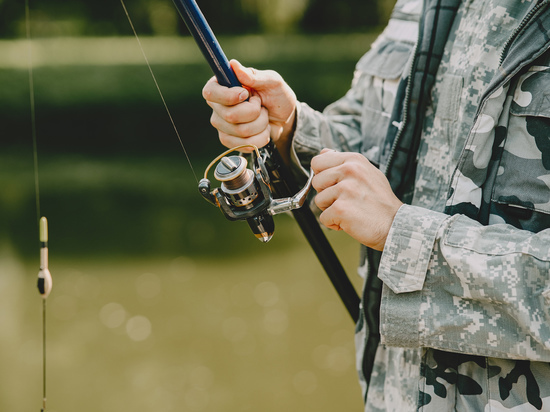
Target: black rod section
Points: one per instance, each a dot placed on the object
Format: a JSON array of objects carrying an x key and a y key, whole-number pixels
[{"x": 285, "y": 185}]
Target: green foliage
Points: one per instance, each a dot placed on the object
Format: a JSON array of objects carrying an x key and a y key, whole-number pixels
[
  {"x": 83, "y": 107},
  {"x": 159, "y": 17},
  {"x": 342, "y": 16}
]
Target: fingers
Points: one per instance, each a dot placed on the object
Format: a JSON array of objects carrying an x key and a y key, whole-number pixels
[
  {"x": 259, "y": 140},
  {"x": 264, "y": 107},
  {"x": 243, "y": 121},
  {"x": 329, "y": 202},
  {"x": 337, "y": 176},
  {"x": 238, "y": 120},
  {"x": 354, "y": 196},
  {"x": 245, "y": 112},
  {"x": 250, "y": 78},
  {"x": 325, "y": 162},
  {"x": 244, "y": 74},
  {"x": 331, "y": 167},
  {"x": 326, "y": 197},
  {"x": 327, "y": 159},
  {"x": 213, "y": 92},
  {"x": 330, "y": 219},
  {"x": 338, "y": 188},
  {"x": 255, "y": 79}
]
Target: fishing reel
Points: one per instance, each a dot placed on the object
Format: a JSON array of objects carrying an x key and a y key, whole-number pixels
[{"x": 246, "y": 194}]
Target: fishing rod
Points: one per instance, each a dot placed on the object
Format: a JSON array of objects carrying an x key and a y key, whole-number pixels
[{"x": 253, "y": 195}]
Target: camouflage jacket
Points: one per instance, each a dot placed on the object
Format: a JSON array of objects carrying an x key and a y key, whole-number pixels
[{"x": 460, "y": 123}]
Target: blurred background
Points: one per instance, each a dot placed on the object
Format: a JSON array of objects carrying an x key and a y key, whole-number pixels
[{"x": 159, "y": 303}]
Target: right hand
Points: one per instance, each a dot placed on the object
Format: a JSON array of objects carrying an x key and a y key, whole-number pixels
[{"x": 268, "y": 114}]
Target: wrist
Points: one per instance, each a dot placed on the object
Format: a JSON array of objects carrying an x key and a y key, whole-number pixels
[{"x": 284, "y": 140}]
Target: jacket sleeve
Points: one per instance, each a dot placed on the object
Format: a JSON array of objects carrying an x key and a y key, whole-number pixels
[
  {"x": 358, "y": 122},
  {"x": 456, "y": 285}
]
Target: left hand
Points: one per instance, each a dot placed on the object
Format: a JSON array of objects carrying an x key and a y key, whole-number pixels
[
  {"x": 268, "y": 114},
  {"x": 354, "y": 196}
]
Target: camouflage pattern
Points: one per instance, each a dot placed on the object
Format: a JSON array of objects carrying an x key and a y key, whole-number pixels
[
  {"x": 464, "y": 313},
  {"x": 476, "y": 383},
  {"x": 358, "y": 122}
]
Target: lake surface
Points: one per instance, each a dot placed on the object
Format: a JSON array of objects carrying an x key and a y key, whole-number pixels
[{"x": 159, "y": 303}]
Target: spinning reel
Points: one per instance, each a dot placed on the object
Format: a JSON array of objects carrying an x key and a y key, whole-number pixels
[{"x": 246, "y": 194}]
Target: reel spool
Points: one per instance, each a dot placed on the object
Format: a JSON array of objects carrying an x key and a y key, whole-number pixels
[{"x": 245, "y": 194}]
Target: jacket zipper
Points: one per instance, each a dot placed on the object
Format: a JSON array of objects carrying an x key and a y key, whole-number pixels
[
  {"x": 538, "y": 8},
  {"x": 527, "y": 19},
  {"x": 406, "y": 101}
]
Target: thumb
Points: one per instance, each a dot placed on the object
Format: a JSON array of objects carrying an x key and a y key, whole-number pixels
[{"x": 250, "y": 77}]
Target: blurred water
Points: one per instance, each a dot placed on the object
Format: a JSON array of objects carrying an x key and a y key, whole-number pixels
[
  {"x": 159, "y": 303},
  {"x": 177, "y": 334}
]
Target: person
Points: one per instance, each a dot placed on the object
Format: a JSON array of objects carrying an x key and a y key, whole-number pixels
[{"x": 437, "y": 161}]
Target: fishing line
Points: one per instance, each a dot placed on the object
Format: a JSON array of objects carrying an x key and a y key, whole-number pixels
[
  {"x": 44, "y": 352},
  {"x": 32, "y": 108},
  {"x": 44, "y": 277},
  {"x": 43, "y": 355},
  {"x": 158, "y": 88}
]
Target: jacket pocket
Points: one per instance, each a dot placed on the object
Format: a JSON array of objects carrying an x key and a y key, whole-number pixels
[
  {"x": 380, "y": 71},
  {"x": 521, "y": 194}
]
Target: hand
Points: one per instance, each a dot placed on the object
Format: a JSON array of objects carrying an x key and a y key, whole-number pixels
[
  {"x": 354, "y": 196},
  {"x": 268, "y": 114}
]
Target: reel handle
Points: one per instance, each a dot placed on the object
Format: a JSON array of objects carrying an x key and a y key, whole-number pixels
[{"x": 292, "y": 203}]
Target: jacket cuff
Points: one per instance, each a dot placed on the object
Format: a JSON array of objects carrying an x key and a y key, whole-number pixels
[{"x": 408, "y": 248}]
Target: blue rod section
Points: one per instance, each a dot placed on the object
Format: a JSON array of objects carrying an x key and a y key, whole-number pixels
[{"x": 207, "y": 42}]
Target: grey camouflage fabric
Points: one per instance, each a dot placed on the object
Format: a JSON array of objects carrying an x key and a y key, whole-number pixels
[{"x": 452, "y": 102}]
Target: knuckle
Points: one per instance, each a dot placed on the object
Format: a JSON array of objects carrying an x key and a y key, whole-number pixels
[
  {"x": 207, "y": 88},
  {"x": 206, "y": 93},
  {"x": 357, "y": 156},
  {"x": 231, "y": 117},
  {"x": 347, "y": 168},
  {"x": 263, "y": 113},
  {"x": 314, "y": 164},
  {"x": 260, "y": 139},
  {"x": 338, "y": 207},
  {"x": 318, "y": 199},
  {"x": 224, "y": 139},
  {"x": 254, "y": 105},
  {"x": 214, "y": 120},
  {"x": 244, "y": 130},
  {"x": 315, "y": 182},
  {"x": 347, "y": 186}
]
